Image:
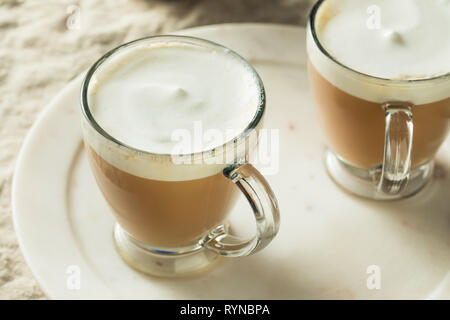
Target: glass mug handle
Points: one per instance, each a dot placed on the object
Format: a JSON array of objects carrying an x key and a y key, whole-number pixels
[
  {"x": 397, "y": 148},
  {"x": 265, "y": 209}
]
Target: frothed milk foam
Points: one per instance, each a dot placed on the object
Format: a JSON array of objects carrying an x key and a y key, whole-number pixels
[
  {"x": 141, "y": 97},
  {"x": 399, "y": 40},
  {"x": 148, "y": 95},
  {"x": 389, "y": 36}
]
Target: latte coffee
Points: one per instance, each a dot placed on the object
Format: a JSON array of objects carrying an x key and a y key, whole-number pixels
[
  {"x": 170, "y": 124},
  {"x": 367, "y": 55},
  {"x": 142, "y": 97}
]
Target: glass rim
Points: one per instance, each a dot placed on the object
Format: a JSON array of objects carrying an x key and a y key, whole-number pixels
[
  {"x": 183, "y": 39},
  {"x": 312, "y": 25}
]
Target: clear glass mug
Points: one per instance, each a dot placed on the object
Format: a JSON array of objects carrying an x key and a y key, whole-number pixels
[
  {"x": 382, "y": 134},
  {"x": 176, "y": 226}
]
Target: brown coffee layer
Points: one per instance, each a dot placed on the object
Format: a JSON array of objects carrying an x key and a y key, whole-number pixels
[
  {"x": 354, "y": 128},
  {"x": 164, "y": 214}
]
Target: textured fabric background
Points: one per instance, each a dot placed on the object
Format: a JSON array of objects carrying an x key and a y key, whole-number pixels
[{"x": 43, "y": 46}]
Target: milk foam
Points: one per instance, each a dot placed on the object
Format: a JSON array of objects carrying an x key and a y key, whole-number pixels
[
  {"x": 145, "y": 98},
  {"x": 398, "y": 40},
  {"x": 145, "y": 94}
]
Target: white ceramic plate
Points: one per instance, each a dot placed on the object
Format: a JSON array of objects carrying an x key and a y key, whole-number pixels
[{"x": 327, "y": 240}]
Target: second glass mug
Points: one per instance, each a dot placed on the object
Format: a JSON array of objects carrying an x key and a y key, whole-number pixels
[
  {"x": 176, "y": 227},
  {"x": 381, "y": 146}
]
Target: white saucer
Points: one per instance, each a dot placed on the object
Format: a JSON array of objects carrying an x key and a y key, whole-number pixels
[{"x": 327, "y": 239}]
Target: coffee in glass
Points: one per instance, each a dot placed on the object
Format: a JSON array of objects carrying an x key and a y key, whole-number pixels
[
  {"x": 379, "y": 74},
  {"x": 170, "y": 124}
]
